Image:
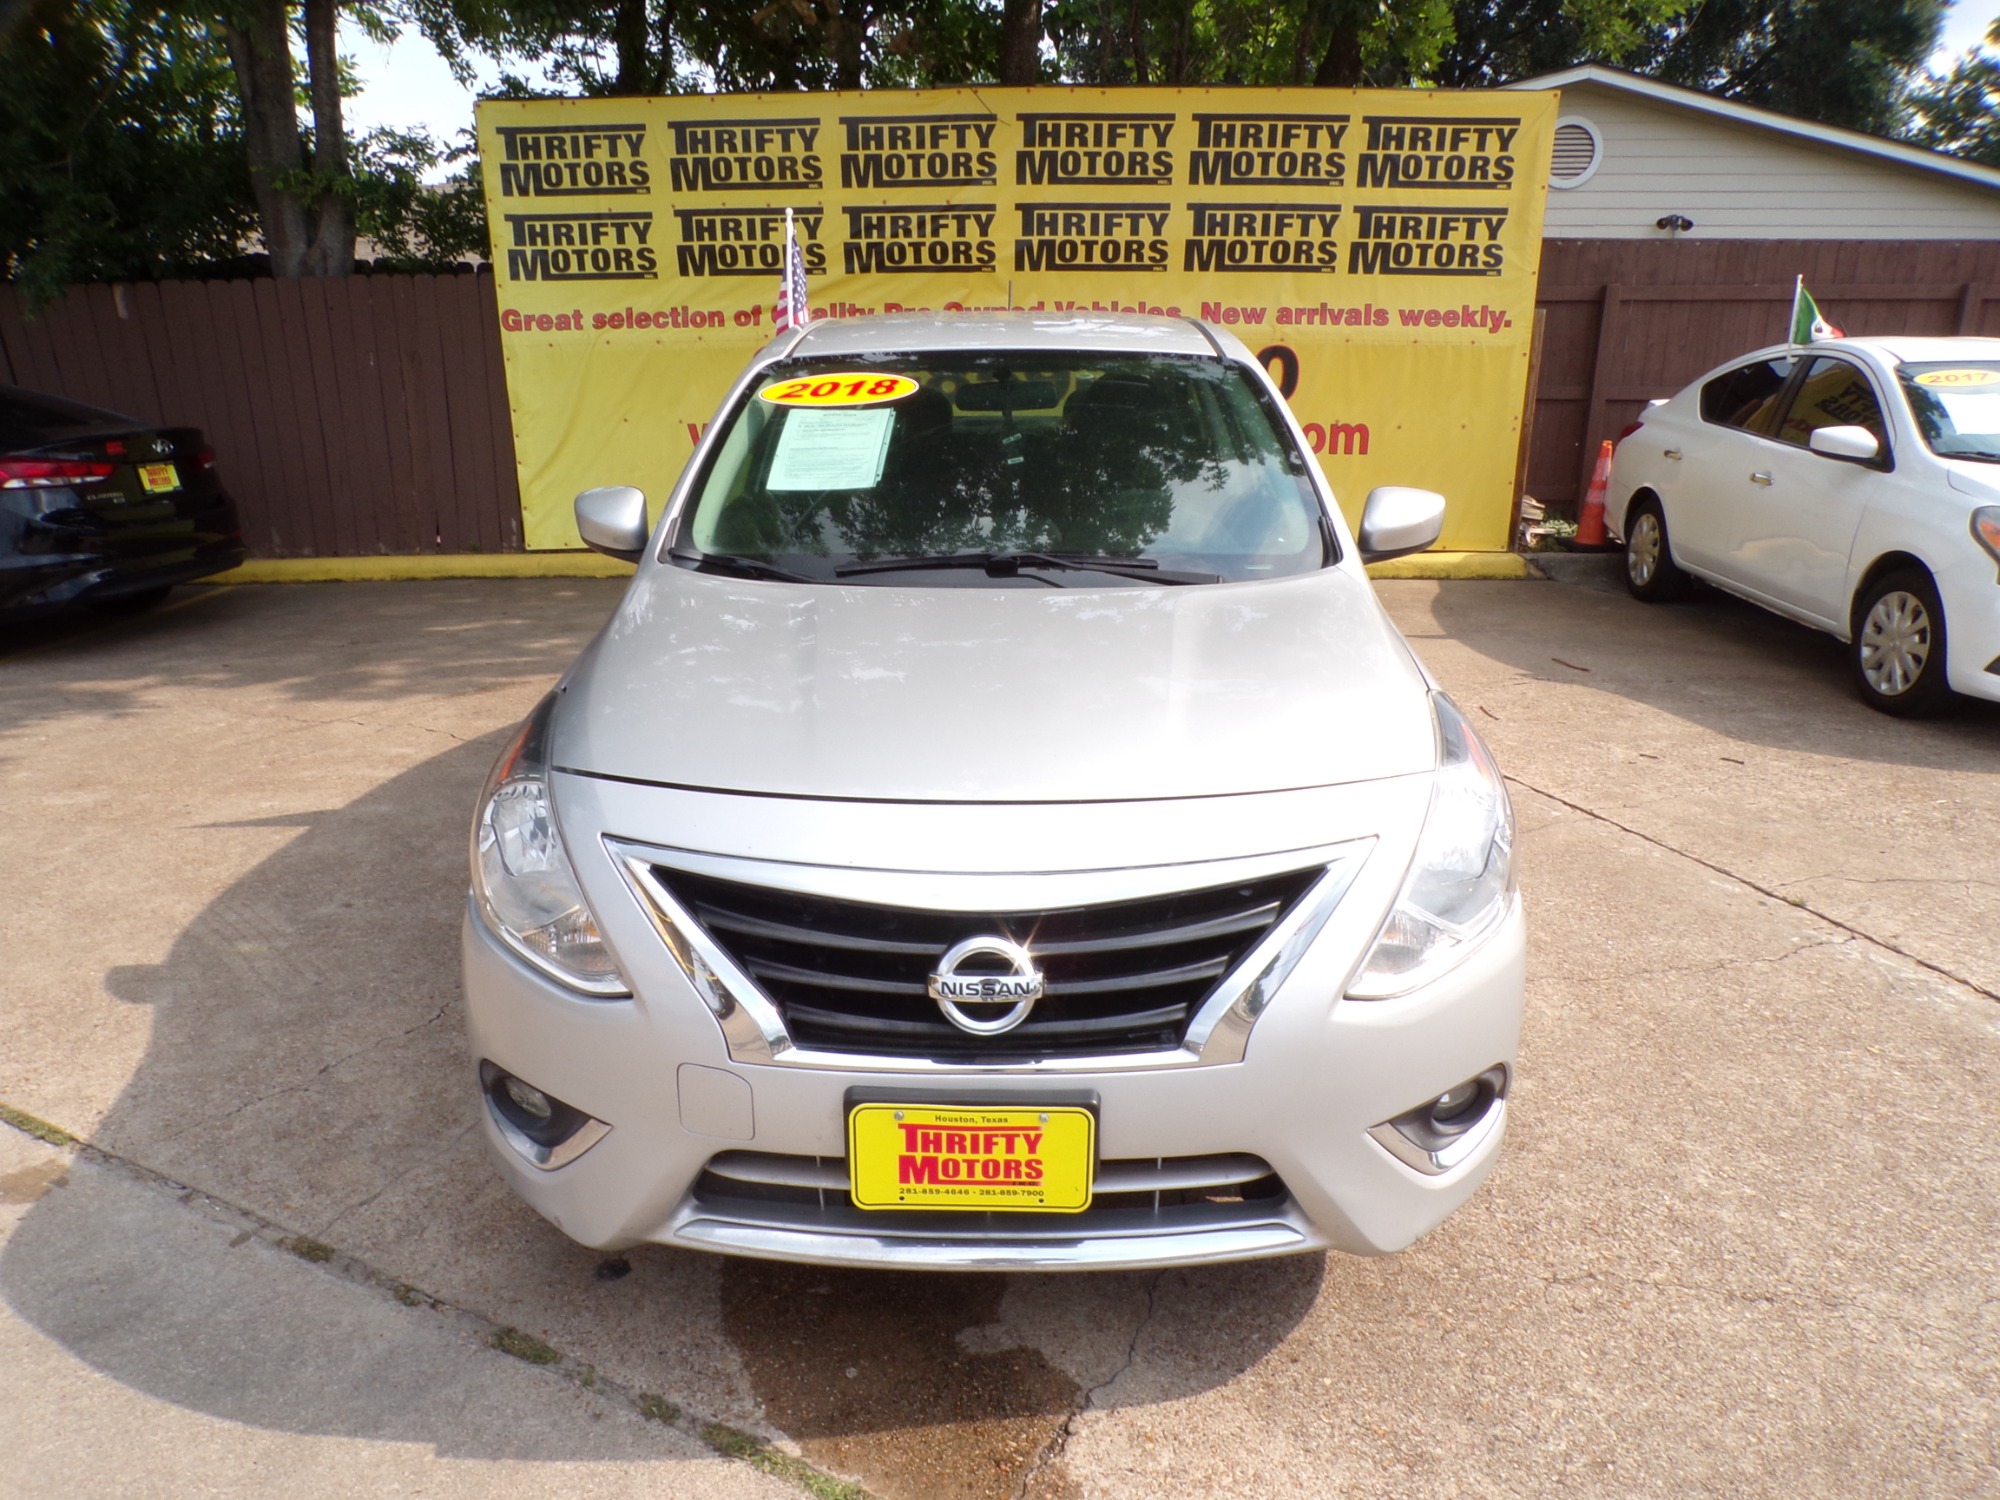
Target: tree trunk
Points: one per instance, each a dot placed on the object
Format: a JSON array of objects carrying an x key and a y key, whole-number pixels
[
  {"x": 1341, "y": 67},
  {"x": 332, "y": 252},
  {"x": 1020, "y": 42},
  {"x": 260, "y": 51},
  {"x": 1137, "y": 32},
  {"x": 846, "y": 30},
  {"x": 628, "y": 33}
]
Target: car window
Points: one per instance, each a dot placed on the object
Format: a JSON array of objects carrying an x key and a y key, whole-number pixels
[
  {"x": 1956, "y": 404},
  {"x": 1182, "y": 461},
  {"x": 1747, "y": 396},
  {"x": 1832, "y": 393}
]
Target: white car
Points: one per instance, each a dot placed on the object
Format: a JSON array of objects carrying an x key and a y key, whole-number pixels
[
  {"x": 999, "y": 828},
  {"x": 1853, "y": 485}
]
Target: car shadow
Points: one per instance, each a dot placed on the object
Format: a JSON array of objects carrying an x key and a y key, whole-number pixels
[
  {"x": 307, "y": 1062},
  {"x": 321, "y": 645},
  {"x": 1711, "y": 659}
]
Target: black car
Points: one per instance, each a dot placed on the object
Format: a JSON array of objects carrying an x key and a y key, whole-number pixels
[{"x": 102, "y": 510}]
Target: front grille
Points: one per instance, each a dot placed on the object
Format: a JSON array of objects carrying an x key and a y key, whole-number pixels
[
  {"x": 1151, "y": 1195},
  {"x": 1121, "y": 977}
]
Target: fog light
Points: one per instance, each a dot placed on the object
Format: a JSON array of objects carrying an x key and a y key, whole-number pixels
[
  {"x": 1448, "y": 1130},
  {"x": 531, "y": 1099},
  {"x": 545, "y": 1131}
]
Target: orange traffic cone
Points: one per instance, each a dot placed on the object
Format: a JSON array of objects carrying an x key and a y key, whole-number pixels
[{"x": 1590, "y": 525}]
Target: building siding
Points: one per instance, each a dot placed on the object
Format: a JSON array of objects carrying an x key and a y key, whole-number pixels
[{"x": 1741, "y": 182}]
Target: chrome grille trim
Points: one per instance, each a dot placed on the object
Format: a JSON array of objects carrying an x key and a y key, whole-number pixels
[
  {"x": 1171, "y": 1211},
  {"x": 1145, "y": 1175},
  {"x": 753, "y": 1026}
]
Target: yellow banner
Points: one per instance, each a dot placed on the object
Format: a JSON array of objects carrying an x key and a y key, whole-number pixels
[{"x": 1377, "y": 248}]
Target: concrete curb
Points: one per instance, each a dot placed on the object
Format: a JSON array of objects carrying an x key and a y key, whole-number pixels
[{"x": 594, "y": 565}]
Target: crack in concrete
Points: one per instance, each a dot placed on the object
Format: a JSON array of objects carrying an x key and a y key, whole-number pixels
[
  {"x": 1052, "y": 1451},
  {"x": 1796, "y": 902},
  {"x": 398, "y": 1179},
  {"x": 320, "y": 1072}
]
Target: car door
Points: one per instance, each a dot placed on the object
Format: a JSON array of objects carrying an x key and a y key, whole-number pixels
[
  {"x": 1792, "y": 524},
  {"x": 1709, "y": 464}
]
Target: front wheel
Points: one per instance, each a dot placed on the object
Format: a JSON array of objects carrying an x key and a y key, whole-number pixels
[
  {"x": 1898, "y": 650},
  {"x": 1650, "y": 570}
]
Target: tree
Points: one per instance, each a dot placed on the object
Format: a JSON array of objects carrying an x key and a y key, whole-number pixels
[
  {"x": 1843, "y": 62},
  {"x": 305, "y": 193},
  {"x": 1960, "y": 112},
  {"x": 1494, "y": 44},
  {"x": 121, "y": 147}
]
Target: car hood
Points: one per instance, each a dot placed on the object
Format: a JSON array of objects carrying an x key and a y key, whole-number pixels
[{"x": 995, "y": 694}]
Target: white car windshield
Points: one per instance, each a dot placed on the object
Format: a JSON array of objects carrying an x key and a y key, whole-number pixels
[
  {"x": 996, "y": 468},
  {"x": 1957, "y": 406}
]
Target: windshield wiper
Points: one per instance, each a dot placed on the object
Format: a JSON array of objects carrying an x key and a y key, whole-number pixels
[
  {"x": 742, "y": 567},
  {"x": 1008, "y": 564}
]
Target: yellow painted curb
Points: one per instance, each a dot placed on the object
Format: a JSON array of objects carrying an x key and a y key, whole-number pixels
[
  {"x": 1452, "y": 565},
  {"x": 450, "y": 565}
]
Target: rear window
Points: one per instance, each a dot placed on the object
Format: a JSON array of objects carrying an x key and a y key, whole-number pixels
[
  {"x": 1957, "y": 406},
  {"x": 1747, "y": 396},
  {"x": 28, "y": 418},
  {"x": 1180, "y": 461}
]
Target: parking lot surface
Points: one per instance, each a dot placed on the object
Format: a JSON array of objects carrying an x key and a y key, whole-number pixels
[{"x": 1744, "y": 1239}]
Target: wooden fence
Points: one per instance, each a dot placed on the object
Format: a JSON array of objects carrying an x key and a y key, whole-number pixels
[
  {"x": 369, "y": 415},
  {"x": 1629, "y": 320},
  {"x": 362, "y": 415}
]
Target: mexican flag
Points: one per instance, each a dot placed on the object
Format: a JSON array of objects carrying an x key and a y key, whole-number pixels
[{"x": 1807, "y": 324}]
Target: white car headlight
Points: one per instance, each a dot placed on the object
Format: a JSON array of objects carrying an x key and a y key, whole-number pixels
[
  {"x": 1461, "y": 882},
  {"x": 522, "y": 881}
]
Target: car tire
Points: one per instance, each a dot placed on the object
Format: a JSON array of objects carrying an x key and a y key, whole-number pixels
[
  {"x": 137, "y": 602},
  {"x": 1650, "y": 570},
  {"x": 1899, "y": 645}
]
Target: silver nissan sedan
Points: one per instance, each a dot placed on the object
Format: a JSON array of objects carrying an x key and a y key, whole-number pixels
[{"x": 998, "y": 829}]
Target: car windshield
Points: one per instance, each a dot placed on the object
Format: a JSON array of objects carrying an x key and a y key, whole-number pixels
[
  {"x": 1005, "y": 469},
  {"x": 1957, "y": 406}
]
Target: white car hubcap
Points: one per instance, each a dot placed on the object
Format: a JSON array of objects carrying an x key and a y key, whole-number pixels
[
  {"x": 1895, "y": 643},
  {"x": 1642, "y": 550}
]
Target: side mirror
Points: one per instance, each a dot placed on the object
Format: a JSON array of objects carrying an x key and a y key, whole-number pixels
[
  {"x": 1845, "y": 442},
  {"x": 1397, "y": 519},
  {"x": 612, "y": 520}
]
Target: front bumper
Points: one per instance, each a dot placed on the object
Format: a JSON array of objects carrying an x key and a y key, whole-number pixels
[{"x": 706, "y": 1151}]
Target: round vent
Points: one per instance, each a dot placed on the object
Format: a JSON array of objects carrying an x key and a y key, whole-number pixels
[{"x": 1578, "y": 151}]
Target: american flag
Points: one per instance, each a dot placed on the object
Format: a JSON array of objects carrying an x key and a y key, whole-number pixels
[{"x": 790, "y": 309}]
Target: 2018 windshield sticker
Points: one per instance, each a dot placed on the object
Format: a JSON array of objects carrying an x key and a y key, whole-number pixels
[
  {"x": 848, "y": 388},
  {"x": 1958, "y": 379}
]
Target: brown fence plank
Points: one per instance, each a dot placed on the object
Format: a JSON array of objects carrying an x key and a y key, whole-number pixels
[
  {"x": 502, "y": 513},
  {"x": 430, "y": 427},
  {"x": 473, "y": 438},
  {"x": 315, "y": 420}
]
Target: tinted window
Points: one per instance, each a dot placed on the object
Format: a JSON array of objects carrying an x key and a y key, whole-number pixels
[
  {"x": 1832, "y": 393},
  {"x": 1747, "y": 396},
  {"x": 28, "y": 418},
  {"x": 1179, "y": 460},
  {"x": 1957, "y": 406}
]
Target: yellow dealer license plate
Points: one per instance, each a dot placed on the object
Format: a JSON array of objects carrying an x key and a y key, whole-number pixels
[
  {"x": 158, "y": 479},
  {"x": 930, "y": 1156}
]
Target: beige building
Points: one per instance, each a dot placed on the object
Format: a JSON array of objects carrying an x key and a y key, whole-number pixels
[{"x": 1636, "y": 159}]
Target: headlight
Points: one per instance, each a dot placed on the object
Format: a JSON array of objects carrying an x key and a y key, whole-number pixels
[
  {"x": 521, "y": 875},
  {"x": 1986, "y": 529},
  {"x": 1461, "y": 883}
]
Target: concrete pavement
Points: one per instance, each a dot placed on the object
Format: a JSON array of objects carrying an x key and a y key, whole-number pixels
[{"x": 1742, "y": 1241}]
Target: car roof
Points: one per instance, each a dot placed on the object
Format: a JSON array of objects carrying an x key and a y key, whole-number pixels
[
  {"x": 903, "y": 333},
  {"x": 1894, "y": 347}
]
